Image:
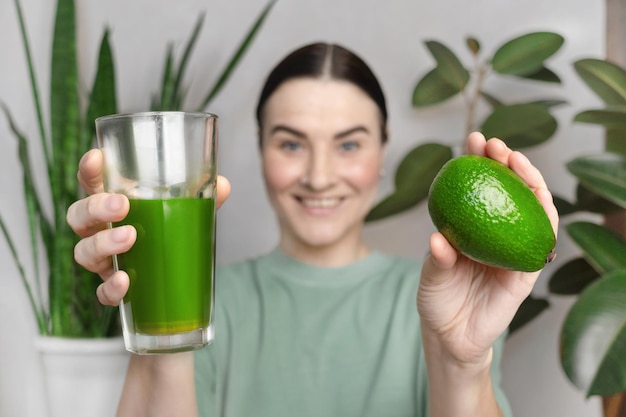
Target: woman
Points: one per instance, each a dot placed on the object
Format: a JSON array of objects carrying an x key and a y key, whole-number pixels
[{"x": 322, "y": 326}]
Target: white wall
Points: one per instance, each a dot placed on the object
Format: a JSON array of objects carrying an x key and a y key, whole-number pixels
[{"x": 388, "y": 35}]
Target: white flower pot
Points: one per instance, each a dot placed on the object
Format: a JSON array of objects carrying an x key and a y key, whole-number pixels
[{"x": 83, "y": 377}]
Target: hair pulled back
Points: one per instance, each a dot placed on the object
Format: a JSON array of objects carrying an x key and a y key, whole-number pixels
[{"x": 319, "y": 60}]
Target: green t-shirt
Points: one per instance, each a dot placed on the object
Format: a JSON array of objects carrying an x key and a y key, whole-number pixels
[{"x": 293, "y": 339}]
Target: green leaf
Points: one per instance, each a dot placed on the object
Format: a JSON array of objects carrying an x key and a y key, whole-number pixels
[
  {"x": 563, "y": 206},
  {"x": 615, "y": 140},
  {"x": 243, "y": 47},
  {"x": 529, "y": 309},
  {"x": 587, "y": 200},
  {"x": 520, "y": 125},
  {"x": 103, "y": 95},
  {"x": 177, "y": 97},
  {"x": 612, "y": 117},
  {"x": 603, "y": 248},
  {"x": 549, "y": 103},
  {"x": 572, "y": 277},
  {"x": 604, "y": 174},
  {"x": 604, "y": 78},
  {"x": 492, "y": 100},
  {"x": 543, "y": 74},
  {"x": 167, "y": 82},
  {"x": 66, "y": 136},
  {"x": 432, "y": 89},
  {"x": 525, "y": 55},
  {"x": 473, "y": 45},
  {"x": 448, "y": 65},
  {"x": 35, "y": 306},
  {"x": 413, "y": 178},
  {"x": 34, "y": 88},
  {"x": 593, "y": 337}
]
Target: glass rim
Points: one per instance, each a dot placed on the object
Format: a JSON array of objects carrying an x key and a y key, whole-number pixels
[{"x": 130, "y": 115}]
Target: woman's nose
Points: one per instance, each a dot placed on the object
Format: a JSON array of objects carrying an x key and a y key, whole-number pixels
[{"x": 319, "y": 173}]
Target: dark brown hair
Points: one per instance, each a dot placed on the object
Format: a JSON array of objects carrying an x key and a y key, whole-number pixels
[{"x": 319, "y": 60}]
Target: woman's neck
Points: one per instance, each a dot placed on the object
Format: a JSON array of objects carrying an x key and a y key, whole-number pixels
[{"x": 326, "y": 256}]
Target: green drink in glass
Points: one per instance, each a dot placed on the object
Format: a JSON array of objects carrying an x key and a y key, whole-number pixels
[{"x": 165, "y": 163}]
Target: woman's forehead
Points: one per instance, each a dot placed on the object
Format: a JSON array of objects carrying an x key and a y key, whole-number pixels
[{"x": 310, "y": 98}]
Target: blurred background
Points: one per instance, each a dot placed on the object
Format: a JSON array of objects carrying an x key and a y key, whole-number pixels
[{"x": 390, "y": 36}]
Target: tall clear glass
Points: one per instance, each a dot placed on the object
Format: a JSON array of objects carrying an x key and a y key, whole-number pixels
[{"x": 165, "y": 162}]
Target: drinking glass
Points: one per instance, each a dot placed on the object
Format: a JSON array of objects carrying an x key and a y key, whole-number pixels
[{"x": 165, "y": 163}]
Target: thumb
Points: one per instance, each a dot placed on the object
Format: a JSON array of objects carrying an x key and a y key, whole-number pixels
[{"x": 441, "y": 261}]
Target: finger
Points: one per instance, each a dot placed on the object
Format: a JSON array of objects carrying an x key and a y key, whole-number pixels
[
  {"x": 475, "y": 144},
  {"x": 496, "y": 149},
  {"x": 520, "y": 164},
  {"x": 223, "y": 190},
  {"x": 91, "y": 214},
  {"x": 443, "y": 254},
  {"x": 546, "y": 200},
  {"x": 113, "y": 290},
  {"x": 90, "y": 172},
  {"x": 94, "y": 252}
]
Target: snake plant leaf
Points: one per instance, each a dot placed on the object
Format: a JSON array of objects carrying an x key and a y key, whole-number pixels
[
  {"x": 606, "y": 79},
  {"x": 473, "y": 45},
  {"x": 543, "y": 74},
  {"x": 38, "y": 311},
  {"x": 525, "y": 55},
  {"x": 102, "y": 100},
  {"x": 587, "y": 200},
  {"x": 66, "y": 133},
  {"x": 432, "y": 89},
  {"x": 237, "y": 56},
  {"x": 572, "y": 277},
  {"x": 530, "y": 308},
  {"x": 34, "y": 88},
  {"x": 449, "y": 66},
  {"x": 164, "y": 102},
  {"x": 611, "y": 117},
  {"x": 604, "y": 249},
  {"x": 593, "y": 337},
  {"x": 604, "y": 174},
  {"x": 177, "y": 97},
  {"x": 412, "y": 180},
  {"x": 520, "y": 125}
]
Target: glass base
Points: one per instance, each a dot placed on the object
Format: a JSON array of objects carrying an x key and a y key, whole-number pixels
[{"x": 145, "y": 344}]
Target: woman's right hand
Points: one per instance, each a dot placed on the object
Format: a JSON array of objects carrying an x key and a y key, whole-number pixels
[{"x": 89, "y": 217}]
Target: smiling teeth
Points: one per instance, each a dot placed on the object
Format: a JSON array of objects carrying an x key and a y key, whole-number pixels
[{"x": 320, "y": 202}]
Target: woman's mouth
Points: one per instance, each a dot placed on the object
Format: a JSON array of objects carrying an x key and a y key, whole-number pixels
[{"x": 325, "y": 203}]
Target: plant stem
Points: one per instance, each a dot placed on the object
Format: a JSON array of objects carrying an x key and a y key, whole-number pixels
[{"x": 472, "y": 100}]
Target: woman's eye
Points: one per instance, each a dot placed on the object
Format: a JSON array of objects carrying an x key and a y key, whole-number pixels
[
  {"x": 290, "y": 145},
  {"x": 349, "y": 146}
]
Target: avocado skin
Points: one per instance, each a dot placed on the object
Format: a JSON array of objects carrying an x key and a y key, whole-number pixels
[{"x": 489, "y": 214}]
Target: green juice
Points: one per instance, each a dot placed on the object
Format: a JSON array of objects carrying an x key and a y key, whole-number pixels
[{"x": 170, "y": 265}]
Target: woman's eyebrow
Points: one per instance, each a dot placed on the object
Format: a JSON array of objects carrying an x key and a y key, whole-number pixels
[
  {"x": 351, "y": 131},
  {"x": 290, "y": 130}
]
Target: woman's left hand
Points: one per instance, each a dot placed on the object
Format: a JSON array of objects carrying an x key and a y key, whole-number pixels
[{"x": 466, "y": 305}]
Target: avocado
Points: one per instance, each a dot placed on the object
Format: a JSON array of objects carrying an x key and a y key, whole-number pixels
[{"x": 489, "y": 214}]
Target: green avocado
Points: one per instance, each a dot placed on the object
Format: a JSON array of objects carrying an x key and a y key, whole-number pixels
[{"x": 489, "y": 214}]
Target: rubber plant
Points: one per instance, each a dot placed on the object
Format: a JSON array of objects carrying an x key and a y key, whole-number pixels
[
  {"x": 69, "y": 307},
  {"x": 593, "y": 335},
  {"x": 520, "y": 124}
]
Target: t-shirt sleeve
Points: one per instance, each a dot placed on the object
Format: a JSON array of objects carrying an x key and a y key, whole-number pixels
[
  {"x": 204, "y": 375},
  {"x": 496, "y": 377}
]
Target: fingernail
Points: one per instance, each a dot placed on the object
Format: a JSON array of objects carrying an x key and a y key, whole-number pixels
[
  {"x": 114, "y": 203},
  {"x": 119, "y": 234}
]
